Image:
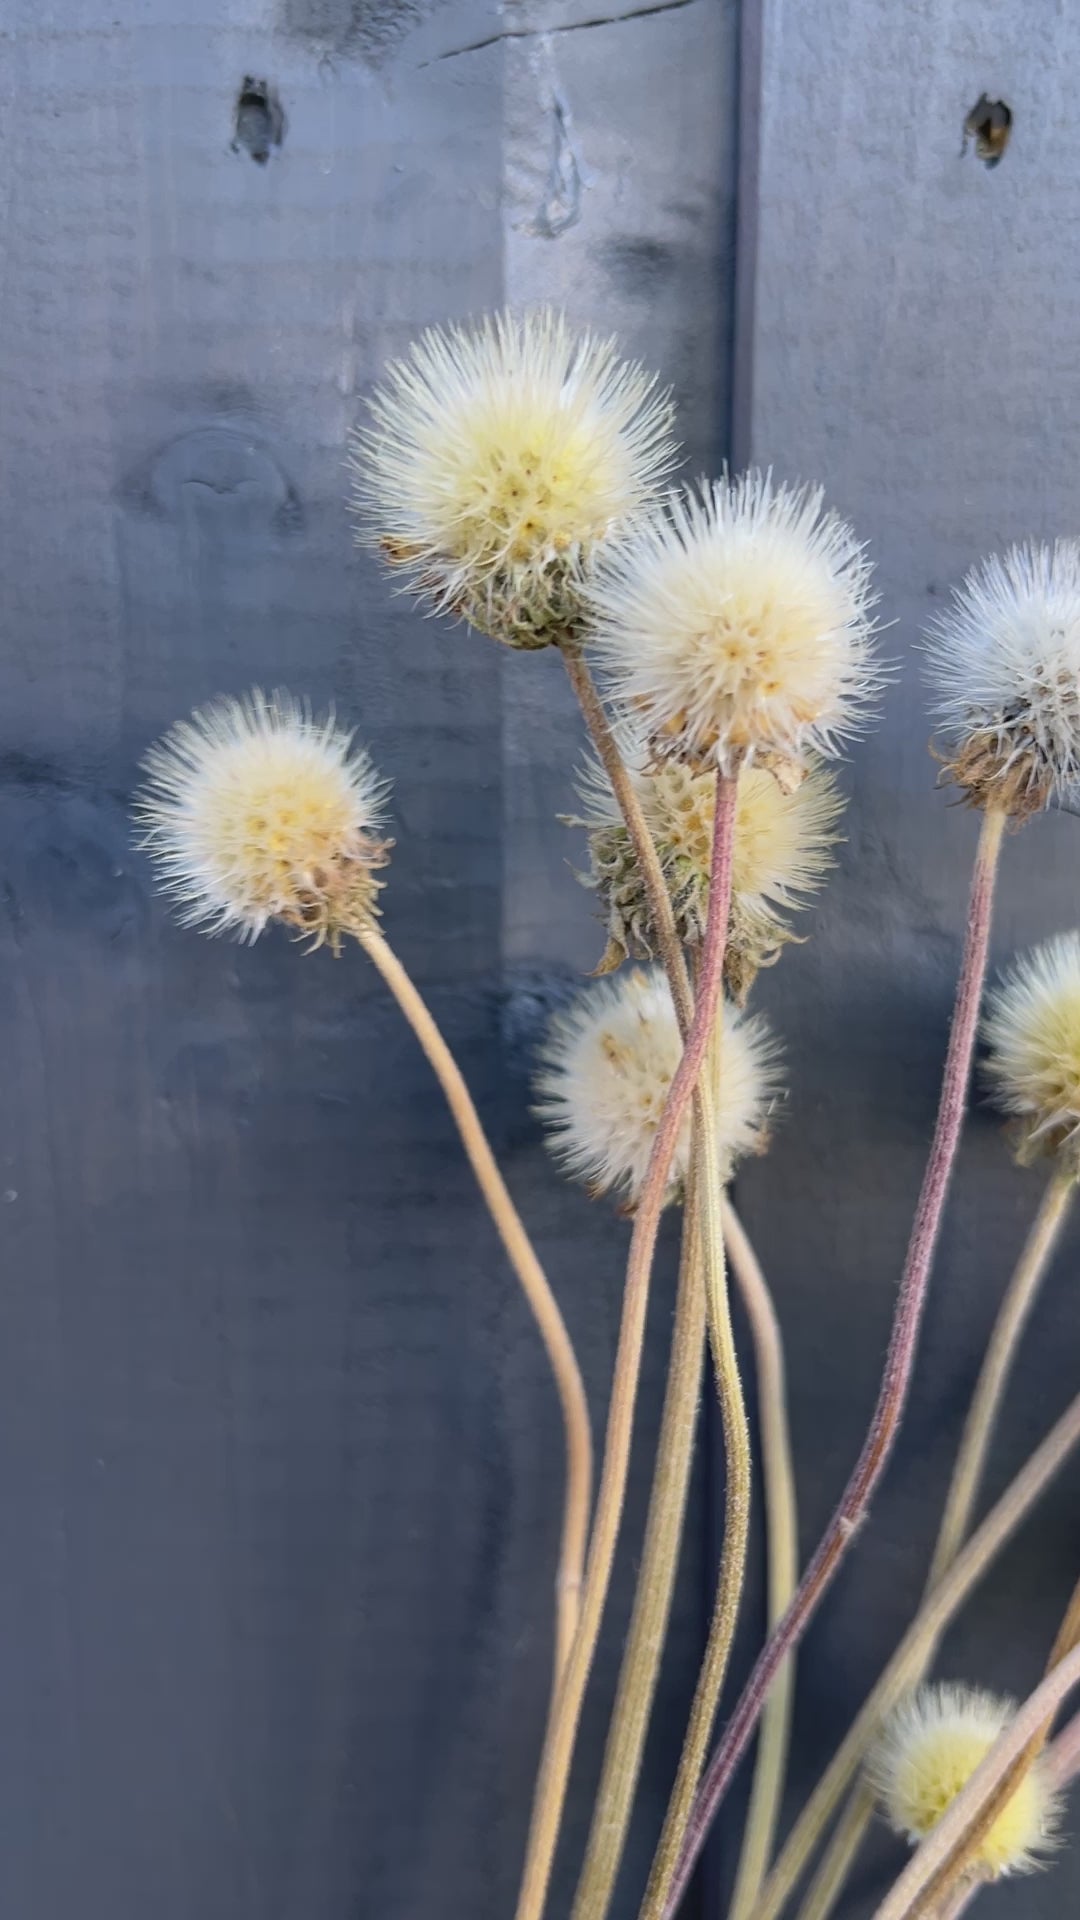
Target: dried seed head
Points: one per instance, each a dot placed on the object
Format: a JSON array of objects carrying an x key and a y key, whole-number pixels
[
  {"x": 928, "y": 1750},
  {"x": 1004, "y": 663},
  {"x": 253, "y": 811},
  {"x": 608, "y": 1065},
  {"x": 1032, "y": 1030},
  {"x": 498, "y": 458},
  {"x": 736, "y": 625},
  {"x": 781, "y": 853}
]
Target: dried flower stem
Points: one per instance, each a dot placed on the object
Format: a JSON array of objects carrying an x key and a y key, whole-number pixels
[
  {"x": 782, "y": 1537},
  {"x": 1062, "y": 1767},
  {"x": 916, "y": 1649},
  {"x": 731, "y": 1575},
  {"x": 562, "y": 1730},
  {"x": 899, "y": 1362},
  {"x": 656, "y": 1580},
  {"x": 950, "y": 1833},
  {"x": 967, "y": 1476},
  {"x": 993, "y": 1378},
  {"x": 533, "y": 1280},
  {"x": 652, "y": 873},
  {"x": 641, "y": 1660},
  {"x": 956, "y": 1871}
]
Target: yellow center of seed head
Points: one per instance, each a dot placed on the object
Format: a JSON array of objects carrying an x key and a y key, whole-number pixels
[{"x": 932, "y": 1779}]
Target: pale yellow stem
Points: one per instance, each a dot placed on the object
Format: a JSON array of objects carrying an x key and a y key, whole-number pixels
[
  {"x": 533, "y": 1280},
  {"x": 913, "y": 1654},
  {"x": 656, "y": 1580},
  {"x": 1012, "y": 1318},
  {"x": 782, "y": 1548},
  {"x": 946, "y": 1839},
  {"x": 732, "y": 1572}
]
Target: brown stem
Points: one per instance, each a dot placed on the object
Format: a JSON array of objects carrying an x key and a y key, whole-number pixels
[
  {"x": 899, "y": 1361},
  {"x": 533, "y": 1280},
  {"x": 562, "y": 1729},
  {"x": 661, "y": 911},
  {"x": 1019, "y": 1298},
  {"x": 1062, "y": 1767}
]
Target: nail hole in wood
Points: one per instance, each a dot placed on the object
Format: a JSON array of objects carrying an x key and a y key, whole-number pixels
[
  {"x": 989, "y": 125},
  {"x": 260, "y": 120}
]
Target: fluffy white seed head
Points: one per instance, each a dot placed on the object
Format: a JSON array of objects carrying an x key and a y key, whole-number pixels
[
  {"x": 498, "y": 457},
  {"x": 606, "y": 1070},
  {"x": 254, "y": 811},
  {"x": 736, "y": 624},
  {"x": 1032, "y": 1030},
  {"x": 1004, "y": 663},
  {"x": 928, "y": 1750},
  {"x": 782, "y": 851}
]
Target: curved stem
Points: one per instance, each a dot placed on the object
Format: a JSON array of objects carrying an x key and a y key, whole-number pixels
[
  {"x": 917, "y": 1648},
  {"x": 993, "y": 1378},
  {"x": 562, "y": 1729},
  {"x": 656, "y": 1580},
  {"x": 956, "y": 1872},
  {"x": 899, "y": 1362},
  {"x": 947, "y": 1837},
  {"x": 1062, "y": 1767},
  {"x": 782, "y": 1547},
  {"x": 1019, "y": 1298},
  {"x": 661, "y": 911},
  {"x": 732, "y": 1571},
  {"x": 533, "y": 1280}
]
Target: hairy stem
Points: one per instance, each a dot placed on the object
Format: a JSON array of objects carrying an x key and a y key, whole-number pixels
[
  {"x": 917, "y": 1648},
  {"x": 1013, "y": 1317},
  {"x": 656, "y": 1580},
  {"x": 899, "y": 1363},
  {"x": 956, "y": 1871},
  {"x": 1019, "y": 1298},
  {"x": 661, "y": 911},
  {"x": 732, "y": 1571},
  {"x": 562, "y": 1729},
  {"x": 1062, "y": 1767},
  {"x": 533, "y": 1280},
  {"x": 946, "y": 1839},
  {"x": 782, "y": 1547}
]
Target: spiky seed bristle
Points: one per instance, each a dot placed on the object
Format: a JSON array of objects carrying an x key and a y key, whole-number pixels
[
  {"x": 496, "y": 460},
  {"x": 928, "y": 1750},
  {"x": 782, "y": 851},
  {"x": 253, "y": 811},
  {"x": 1004, "y": 663},
  {"x": 1032, "y": 1031},
  {"x": 736, "y": 624},
  {"x": 606, "y": 1070}
]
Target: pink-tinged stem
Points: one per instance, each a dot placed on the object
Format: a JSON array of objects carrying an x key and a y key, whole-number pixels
[
  {"x": 562, "y": 1726},
  {"x": 1062, "y": 1766},
  {"x": 899, "y": 1362}
]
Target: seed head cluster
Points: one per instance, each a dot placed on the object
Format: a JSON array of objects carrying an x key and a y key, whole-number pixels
[{"x": 1032, "y": 1031}]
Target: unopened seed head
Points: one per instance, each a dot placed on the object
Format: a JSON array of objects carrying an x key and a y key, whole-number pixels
[
  {"x": 497, "y": 460},
  {"x": 782, "y": 851},
  {"x": 1032, "y": 1031},
  {"x": 736, "y": 625},
  {"x": 928, "y": 1750},
  {"x": 1004, "y": 663},
  {"x": 606, "y": 1072},
  {"x": 254, "y": 811}
]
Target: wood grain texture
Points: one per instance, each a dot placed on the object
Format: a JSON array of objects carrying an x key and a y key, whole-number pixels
[
  {"x": 279, "y": 1468},
  {"x": 908, "y": 338}
]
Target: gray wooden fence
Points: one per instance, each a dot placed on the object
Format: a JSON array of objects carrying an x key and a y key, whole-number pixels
[{"x": 279, "y": 1459}]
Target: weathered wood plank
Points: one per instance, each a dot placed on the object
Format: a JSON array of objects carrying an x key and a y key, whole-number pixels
[{"x": 279, "y": 1474}]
